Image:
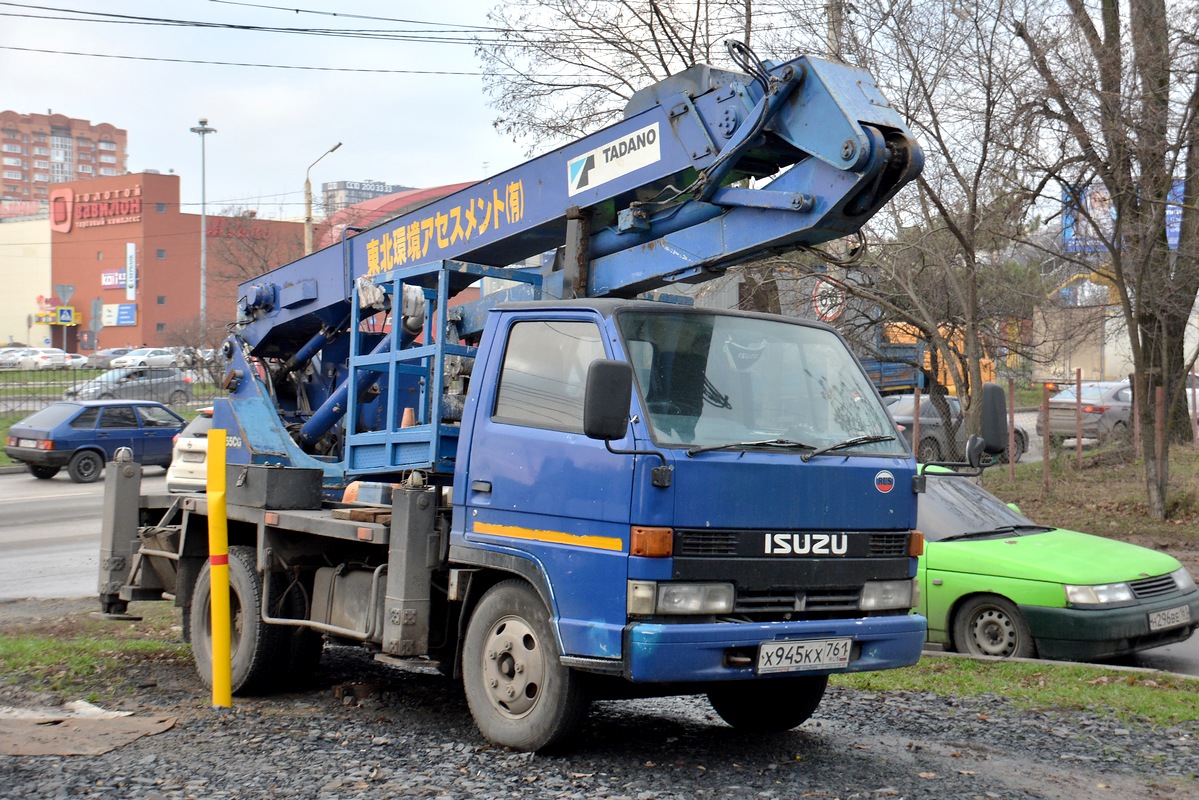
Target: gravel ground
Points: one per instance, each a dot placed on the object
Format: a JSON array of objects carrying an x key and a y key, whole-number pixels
[{"x": 367, "y": 731}]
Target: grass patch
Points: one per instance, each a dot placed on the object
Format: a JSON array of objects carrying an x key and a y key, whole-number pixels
[
  {"x": 1131, "y": 696},
  {"x": 81, "y": 657},
  {"x": 1107, "y": 497}
]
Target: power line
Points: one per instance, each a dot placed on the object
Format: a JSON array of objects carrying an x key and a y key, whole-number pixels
[{"x": 239, "y": 63}]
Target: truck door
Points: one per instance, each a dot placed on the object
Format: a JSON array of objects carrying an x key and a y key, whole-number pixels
[{"x": 540, "y": 489}]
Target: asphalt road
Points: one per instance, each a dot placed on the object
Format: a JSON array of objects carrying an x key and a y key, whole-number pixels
[
  {"x": 50, "y": 534},
  {"x": 50, "y": 545}
]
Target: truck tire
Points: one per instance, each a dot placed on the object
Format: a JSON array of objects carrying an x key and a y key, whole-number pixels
[
  {"x": 990, "y": 625},
  {"x": 768, "y": 706},
  {"x": 305, "y": 646},
  {"x": 258, "y": 649},
  {"x": 85, "y": 466},
  {"x": 519, "y": 693},
  {"x": 42, "y": 473}
]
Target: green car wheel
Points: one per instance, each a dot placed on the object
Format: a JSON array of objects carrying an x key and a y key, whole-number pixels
[{"x": 989, "y": 625}]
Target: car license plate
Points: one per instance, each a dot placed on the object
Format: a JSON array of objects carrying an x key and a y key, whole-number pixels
[
  {"x": 792, "y": 656},
  {"x": 1169, "y": 618},
  {"x": 190, "y": 455},
  {"x": 27, "y": 442}
]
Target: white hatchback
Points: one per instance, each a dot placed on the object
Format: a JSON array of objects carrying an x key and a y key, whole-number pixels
[{"x": 189, "y": 458}]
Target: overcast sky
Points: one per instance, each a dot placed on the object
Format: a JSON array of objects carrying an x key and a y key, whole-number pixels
[{"x": 415, "y": 128}]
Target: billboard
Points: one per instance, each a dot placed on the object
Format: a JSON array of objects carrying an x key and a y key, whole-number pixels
[{"x": 1088, "y": 224}]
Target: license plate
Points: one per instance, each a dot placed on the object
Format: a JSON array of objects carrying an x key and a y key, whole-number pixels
[
  {"x": 191, "y": 456},
  {"x": 1169, "y": 618},
  {"x": 27, "y": 442},
  {"x": 804, "y": 654}
]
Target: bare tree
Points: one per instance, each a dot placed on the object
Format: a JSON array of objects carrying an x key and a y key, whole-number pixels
[
  {"x": 242, "y": 246},
  {"x": 561, "y": 69},
  {"x": 1117, "y": 115},
  {"x": 945, "y": 266}
]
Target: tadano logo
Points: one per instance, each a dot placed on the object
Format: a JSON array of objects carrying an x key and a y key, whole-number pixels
[{"x": 614, "y": 159}]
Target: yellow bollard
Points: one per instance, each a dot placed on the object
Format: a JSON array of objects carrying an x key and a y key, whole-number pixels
[{"x": 218, "y": 572}]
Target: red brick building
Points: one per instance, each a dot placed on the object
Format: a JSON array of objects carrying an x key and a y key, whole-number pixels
[
  {"x": 39, "y": 150},
  {"x": 96, "y": 225}
]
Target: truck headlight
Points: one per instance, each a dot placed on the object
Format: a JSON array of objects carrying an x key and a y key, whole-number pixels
[
  {"x": 648, "y": 598},
  {"x": 1104, "y": 594},
  {"x": 882, "y": 595},
  {"x": 1184, "y": 580}
]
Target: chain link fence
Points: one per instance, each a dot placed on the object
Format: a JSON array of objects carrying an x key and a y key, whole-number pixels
[{"x": 24, "y": 391}]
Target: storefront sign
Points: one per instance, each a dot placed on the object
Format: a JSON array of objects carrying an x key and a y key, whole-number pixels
[
  {"x": 91, "y": 209},
  {"x": 112, "y": 279},
  {"x": 118, "y": 315}
]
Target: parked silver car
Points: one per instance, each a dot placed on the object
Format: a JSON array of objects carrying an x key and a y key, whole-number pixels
[
  {"x": 165, "y": 384},
  {"x": 103, "y": 358},
  {"x": 1106, "y": 411}
]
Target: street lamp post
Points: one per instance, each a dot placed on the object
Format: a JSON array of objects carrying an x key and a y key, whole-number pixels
[
  {"x": 308, "y": 200},
  {"x": 203, "y": 129}
]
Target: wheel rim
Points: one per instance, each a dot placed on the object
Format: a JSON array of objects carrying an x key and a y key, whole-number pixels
[
  {"x": 993, "y": 632},
  {"x": 88, "y": 466},
  {"x": 513, "y": 667}
]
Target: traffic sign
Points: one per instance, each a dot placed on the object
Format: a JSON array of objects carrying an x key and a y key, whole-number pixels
[{"x": 66, "y": 315}]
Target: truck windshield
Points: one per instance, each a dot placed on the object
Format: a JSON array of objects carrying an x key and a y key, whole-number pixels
[{"x": 710, "y": 379}]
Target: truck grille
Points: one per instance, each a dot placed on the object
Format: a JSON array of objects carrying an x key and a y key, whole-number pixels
[
  {"x": 808, "y": 604},
  {"x": 700, "y": 543},
  {"x": 1148, "y": 588}
]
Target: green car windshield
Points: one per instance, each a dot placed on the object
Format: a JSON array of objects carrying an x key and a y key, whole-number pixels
[
  {"x": 711, "y": 380},
  {"x": 953, "y": 507}
]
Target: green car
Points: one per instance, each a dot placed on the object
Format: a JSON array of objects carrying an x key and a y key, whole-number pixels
[{"x": 995, "y": 583}]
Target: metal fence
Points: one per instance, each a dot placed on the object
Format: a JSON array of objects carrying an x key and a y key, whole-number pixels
[{"x": 26, "y": 391}]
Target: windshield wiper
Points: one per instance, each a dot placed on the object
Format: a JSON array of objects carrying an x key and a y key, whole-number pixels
[
  {"x": 845, "y": 445},
  {"x": 1001, "y": 530},
  {"x": 691, "y": 451},
  {"x": 1004, "y": 530}
]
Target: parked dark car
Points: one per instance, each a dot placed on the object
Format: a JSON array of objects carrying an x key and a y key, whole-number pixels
[
  {"x": 83, "y": 436},
  {"x": 935, "y": 442},
  {"x": 165, "y": 384}
]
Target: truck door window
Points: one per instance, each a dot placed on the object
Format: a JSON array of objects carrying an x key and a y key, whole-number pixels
[{"x": 544, "y": 373}]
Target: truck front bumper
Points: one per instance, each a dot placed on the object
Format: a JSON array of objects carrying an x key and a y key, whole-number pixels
[
  {"x": 1075, "y": 634},
  {"x": 668, "y": 653}
]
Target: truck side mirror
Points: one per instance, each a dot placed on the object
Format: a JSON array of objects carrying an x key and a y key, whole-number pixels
[
  {"x": 606, "y": 399},
  {"x": 994, "y": 419}
]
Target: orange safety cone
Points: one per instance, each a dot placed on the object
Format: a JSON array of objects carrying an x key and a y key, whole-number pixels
[{"x": 409, "y": 420}]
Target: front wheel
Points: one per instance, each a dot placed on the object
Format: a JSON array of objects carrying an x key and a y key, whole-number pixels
[
  {"x": 519, "y": 693},
  {"x": 42, "y": 473},
  {"x": 768, "y": 706},
  {"x": 178, "y": 398},
  {"x": 85, "y": 466},
  {"x": 990, "y": 625},
  {"x": 930, "y": 451}
]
